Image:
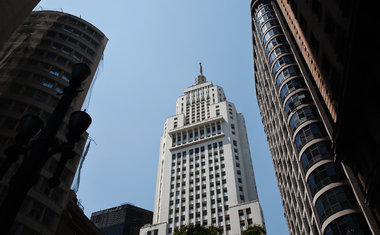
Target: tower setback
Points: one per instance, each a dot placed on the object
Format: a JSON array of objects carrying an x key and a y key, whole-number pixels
[{"x": 205, "y": 174}]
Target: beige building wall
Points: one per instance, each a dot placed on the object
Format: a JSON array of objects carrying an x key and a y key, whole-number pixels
[{"x": 205, "y": 173}]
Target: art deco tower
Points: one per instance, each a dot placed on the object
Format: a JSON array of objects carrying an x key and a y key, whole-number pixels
[
  {"x": 316, "y": 193},
  {"x": 35, "y": 66},
  {"x": 205, "y": 173}
]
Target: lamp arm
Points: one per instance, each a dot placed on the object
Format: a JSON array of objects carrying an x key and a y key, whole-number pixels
[{"x": 67, "y": 154}]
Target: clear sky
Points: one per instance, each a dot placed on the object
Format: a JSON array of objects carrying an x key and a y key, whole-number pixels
[{"x": 153, "y": 54}]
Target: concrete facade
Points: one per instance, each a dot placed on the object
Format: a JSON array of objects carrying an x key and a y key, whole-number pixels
[
  {"x": 13, "y": 13},
  {"x": 205, "y": 174},
  {"x": 74, "y": 221},
  {"x": 35, "y": 67},
  {"x": 316, "y": 191},
  {"x": 332, "y": 39}
]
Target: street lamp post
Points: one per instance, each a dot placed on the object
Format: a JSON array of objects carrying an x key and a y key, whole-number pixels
[{"x": 36, "y": 153}]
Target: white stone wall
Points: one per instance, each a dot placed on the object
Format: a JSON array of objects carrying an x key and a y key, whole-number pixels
[{"x": 205, "y": 171}]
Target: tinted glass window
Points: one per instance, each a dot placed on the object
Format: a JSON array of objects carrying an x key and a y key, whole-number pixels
[
  {"x": 291, "y": 86},
  {"x": 324, "y": 175},
  {"x": 278, "y": 51},
  {"x": 275, "y": 41},
  {"x": 262, "y": 11},
  {"x": 268, "y": 24},
  {"x": 302, "y": 115},
  {"x": 315, "y": 153},
  {"x": 302, "y": 97},
  {"x": 288, "y": 72},
  {"x": 282, "y": 61},
  {"x": 270, "y": 33},
  {"x": 265, "y": 17},
  {"x": 355, "y": 223},
  {"x": 308, "y": 133},
  {"x": 334, "y": 200}
]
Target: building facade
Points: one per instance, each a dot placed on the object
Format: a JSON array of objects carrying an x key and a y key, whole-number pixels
[
  {"x": 35, "y": 66},
  {"x": 330, "y": 35},
  {"x": 316, "y": 191},
  {"x": 205, "y": 174},
  {"x": 126, "y": 219},
  {"x": 13, "y": 13},
  {"x": 74, "y": 221}
]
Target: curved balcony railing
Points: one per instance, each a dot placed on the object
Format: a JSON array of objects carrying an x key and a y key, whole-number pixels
[{"x": 310, "y": 135}]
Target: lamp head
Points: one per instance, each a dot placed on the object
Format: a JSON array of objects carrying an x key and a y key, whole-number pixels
[
  {"x": 28, "y": 126},
  {"x": 78, "y": 124},
  {"x": 79, "y": 73}
]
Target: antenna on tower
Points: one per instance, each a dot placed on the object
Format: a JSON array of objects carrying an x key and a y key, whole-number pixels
[{"x": 200, "y": 68}]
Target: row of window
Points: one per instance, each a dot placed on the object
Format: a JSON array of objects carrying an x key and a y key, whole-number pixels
[
  {"x": 283, "y": 67},
  {"x": 37, "y": 95},
  {"x": 65, "y": 19},
  {"x": 73, "y": 43},
  {"x": 298, "y": 105},
  {"x": 196, "y": 133}
]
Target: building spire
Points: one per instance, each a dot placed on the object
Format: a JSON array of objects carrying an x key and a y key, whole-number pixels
[{"x": 200, "y": 78}]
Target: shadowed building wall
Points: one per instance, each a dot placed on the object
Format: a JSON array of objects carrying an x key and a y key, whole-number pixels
[
  {"x": 317, "y": 192},
  {"x": 334, "y": 43},
  {"x": 13, "y": 13},
  {"x": 35, "y": 66}
]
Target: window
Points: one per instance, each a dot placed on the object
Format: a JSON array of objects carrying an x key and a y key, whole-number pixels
[
  {"x": 291, "y": 86},
  {"x": 286, "y": 73},
  {"x": 262, "y": 11},
  {"x": 65, "y": 77},
  {"x": 302, "y": 97},
  {"x": 334, "y": 200},
  {"x": 265, "y": 17},
  {"x": 282, "y": 61},
  {"x": 315, "y": 153},
  {"x": 270, "y": 33},
  {"x": 274, "y": 42},
  {"x": 302, "y": 115},
  {"x": 354, "y": 223},
  {"x": 54, "y": 72},
  {"x": 308, "y": 133},
  {"x": 268, "y": 25},
  {"x": 324, "y": 175},
  {"x": 278, "y": 51}
]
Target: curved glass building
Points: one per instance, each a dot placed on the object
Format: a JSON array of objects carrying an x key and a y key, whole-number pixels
[
  {"x": 316, "y": 195},
  {"x": 35, "y": 66}
]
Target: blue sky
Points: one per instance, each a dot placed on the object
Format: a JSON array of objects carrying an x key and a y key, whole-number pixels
[{"x": 153, "y": 54}]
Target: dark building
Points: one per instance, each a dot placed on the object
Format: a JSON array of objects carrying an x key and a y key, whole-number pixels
[
  {"x": 301, "y": 113},
  {"x": 332, "y": 37},
  {"x": 74, "y": 221},
  {"x": 13, "y": 13},
  {"x": 122, "y": 220},
  {"x": 35, "y": 67}
]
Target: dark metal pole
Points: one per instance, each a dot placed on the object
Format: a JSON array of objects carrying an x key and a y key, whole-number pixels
[{"x": 29, "y": 171}]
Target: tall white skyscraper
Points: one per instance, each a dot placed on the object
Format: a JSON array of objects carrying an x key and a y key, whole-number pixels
[{"x": 205, "y": 174}]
